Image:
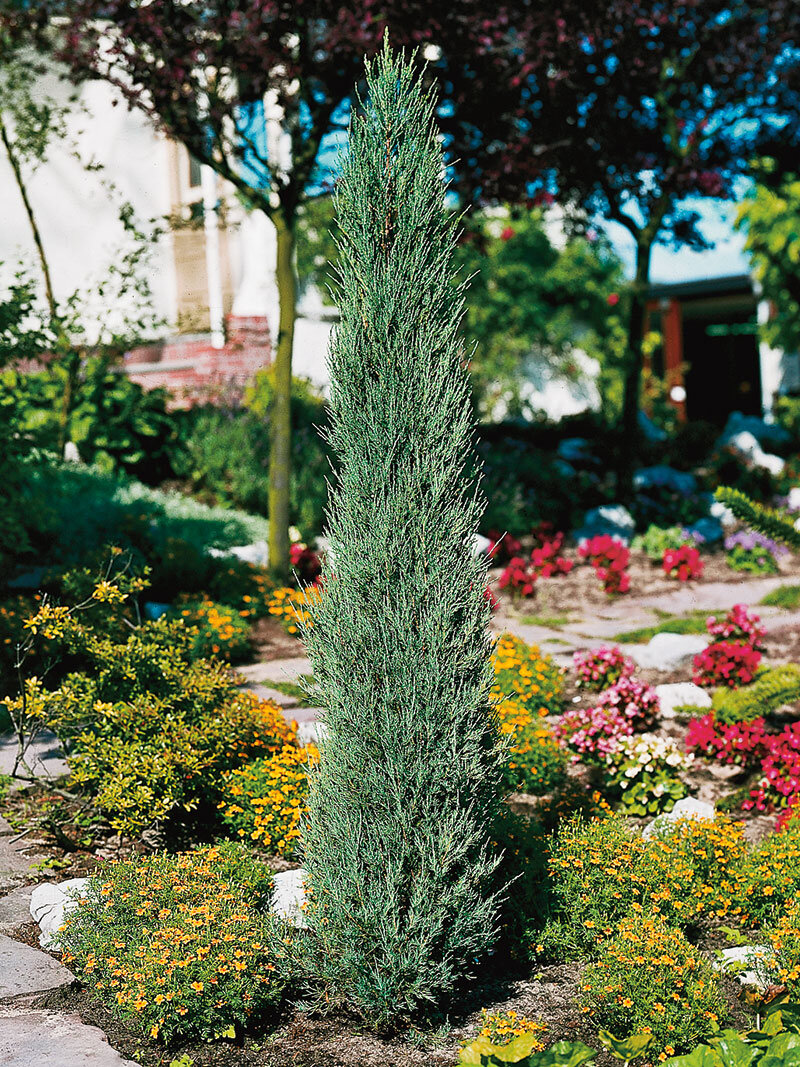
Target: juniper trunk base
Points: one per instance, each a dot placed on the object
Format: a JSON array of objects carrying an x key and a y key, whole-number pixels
[{"x": 397, "y": 845}]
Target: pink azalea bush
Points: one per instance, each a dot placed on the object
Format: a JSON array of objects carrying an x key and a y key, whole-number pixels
[
  {"x": 635, "y": 701},
  {"x": 599, "y": 668},
  {"x": 742, "y": 743},
  {"x": 683, "y": 563},
  {"x": 592, "y": 733},
  {"x": 610, "y": 559}
]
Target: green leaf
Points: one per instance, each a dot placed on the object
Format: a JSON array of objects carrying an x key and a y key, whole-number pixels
[
  {"x": 563, "y": 1054},
  {"x": 702, "y": 1056},
  {"x": 477, "y": 1052},
  {"x": 625, "y": 1048},
  {"x": 782, "y": 1051},
  {"x": 734, "y": 1050}
]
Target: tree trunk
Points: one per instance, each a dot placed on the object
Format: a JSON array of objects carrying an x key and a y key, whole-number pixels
[
  {"x": 37, "y": 237},
  {"x": 630, "y": 435},
  {"x": 280, "y": 457}
]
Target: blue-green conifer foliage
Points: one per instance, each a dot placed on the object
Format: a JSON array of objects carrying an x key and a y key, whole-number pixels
[{"x": 398, "y": 842}]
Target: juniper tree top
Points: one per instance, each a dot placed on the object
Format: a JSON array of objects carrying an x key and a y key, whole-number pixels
[{"x": 397, "y": 842}]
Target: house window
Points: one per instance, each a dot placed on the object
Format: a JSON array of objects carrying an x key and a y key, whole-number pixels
[{"x": 195, "y": 172}]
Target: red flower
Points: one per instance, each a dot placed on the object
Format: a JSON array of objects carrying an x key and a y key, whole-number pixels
[
  {"x": 507, "y": 234},
  {"x": 612, "y": 299}
]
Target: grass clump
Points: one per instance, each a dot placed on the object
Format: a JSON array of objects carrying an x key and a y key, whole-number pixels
[{"x": 785, "y": 596}]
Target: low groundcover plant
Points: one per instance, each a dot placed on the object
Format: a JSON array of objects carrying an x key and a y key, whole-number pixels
[{"x": 180, "y": 945}]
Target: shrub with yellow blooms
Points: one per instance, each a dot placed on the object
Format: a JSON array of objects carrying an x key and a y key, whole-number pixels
[
  {"x": 527, "y": 687},
  {"x": 217, "y": 629},
  {"x": 500, "y": 1027},
  {"x": 181, "y": 946},
  {"x": 649, "y": 979},
  {"x": 264, "y": 801}
]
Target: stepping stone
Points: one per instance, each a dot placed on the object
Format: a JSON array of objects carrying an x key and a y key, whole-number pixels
[
  {"x": 15, "y": 909},
  {"x": 27, "y": 970},
  {"x": 667, "y": 651},
  {"x": 43, "y": 756},
  {"x": 278, "y": 670},
  {"x": 680, "y": 694},
  {"x": 30, "y": 1038},
  {"x": 15, "y": 861}
]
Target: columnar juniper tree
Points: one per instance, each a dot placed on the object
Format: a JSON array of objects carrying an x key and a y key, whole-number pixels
[{"x": 397, "y": 842}]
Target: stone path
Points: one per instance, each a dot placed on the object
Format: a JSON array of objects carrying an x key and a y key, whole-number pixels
[
  {"x": 35, "y": 1038},
  {"x": 43, "y": 755}
]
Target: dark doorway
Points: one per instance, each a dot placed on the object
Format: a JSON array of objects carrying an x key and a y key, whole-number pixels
[{"x": 724, "y": 373}]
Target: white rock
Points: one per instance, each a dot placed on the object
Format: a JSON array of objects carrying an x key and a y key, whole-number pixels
[
  {"x": 751, "y": 964},
  {"x": 311, "y": 733},
  {"x": 677, "y": 694},
  {"x": 51, "y": 903},
  {"x": 666, "y": 651},
  {"x": 613, "y": 519},
  {"x": 688, "y": 808},
  {"x": 747, "y": 445},
  {"x": 71, "y": 453},
  {"x": 289, "y": 896},
  {"x": 257, "y": 552},
  {"x": 480, "y": 544},
  {"x": 793, "y": 500},
  {"x": 718, "y": 510}
]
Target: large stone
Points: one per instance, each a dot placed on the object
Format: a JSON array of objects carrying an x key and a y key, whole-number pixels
[
  {"x": 289, "y": 896},
  {"x": 613, "y": 519},
  {"x": 51, "y": 903},
  {"x": 680, "y": 694},
  {"x": 751, "y": 965},
  {"x": 666, "y": 651},
  {"x": 15, "y": 909},
  {"x": 747, "y": 446},
  {"x": 688, "y": 808},
  {"x": 43, "y": 755},
  {"x": 27, "y": 970},
  {"x": 30, "y": 1038},
  {"x": 707, "y": 531},
  {"x": 257, "y": 552}
]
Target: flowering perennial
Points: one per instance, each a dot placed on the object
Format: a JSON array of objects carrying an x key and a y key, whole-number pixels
[
  {"x": 178, "y": 944},
  {"x": 544, "y": 562},
  {"x": 635, "y": 701},
  {"x": 610, "y": 559},
  {"x": 683, "y": 563},
  {"x": 743, "y": 743},
  {"x": 593, "y": 733},
  {"x": 728, "y": 663},
  {"x": 645, "y": 772},
  {"x": 599, "y": 668},
  {"x": 738, "y": 625}
]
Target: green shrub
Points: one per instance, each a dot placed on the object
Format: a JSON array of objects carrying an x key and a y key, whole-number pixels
[
  {"x": 179, "y": 946},
  {"x": 142, "y": 762},
  {"x": 655, "y": 541},
  {"x": 72, "y": 510},
  {"x": 226, "y": 453},
  {"x": 770, "y": 689},
  {"x": 115, "y": 423},
  {"x": 649, "y": 977},
  {"x": 522, "y": 1051}
]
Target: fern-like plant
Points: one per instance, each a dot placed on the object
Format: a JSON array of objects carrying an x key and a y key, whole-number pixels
[
  {"x": 771, "y": 689},
  {"x": 768, "y": 521},
  {"x": 397, "y": 843}
]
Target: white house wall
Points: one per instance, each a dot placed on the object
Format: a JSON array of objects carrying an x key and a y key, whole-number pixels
[{"x": 78, "y": 217}]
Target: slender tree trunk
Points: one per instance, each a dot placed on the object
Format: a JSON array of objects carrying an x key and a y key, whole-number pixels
[
  {"x": 37, "y": 237},
  {"x": 280, "y": 457},
  {"x": 630, "y": 435}
]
